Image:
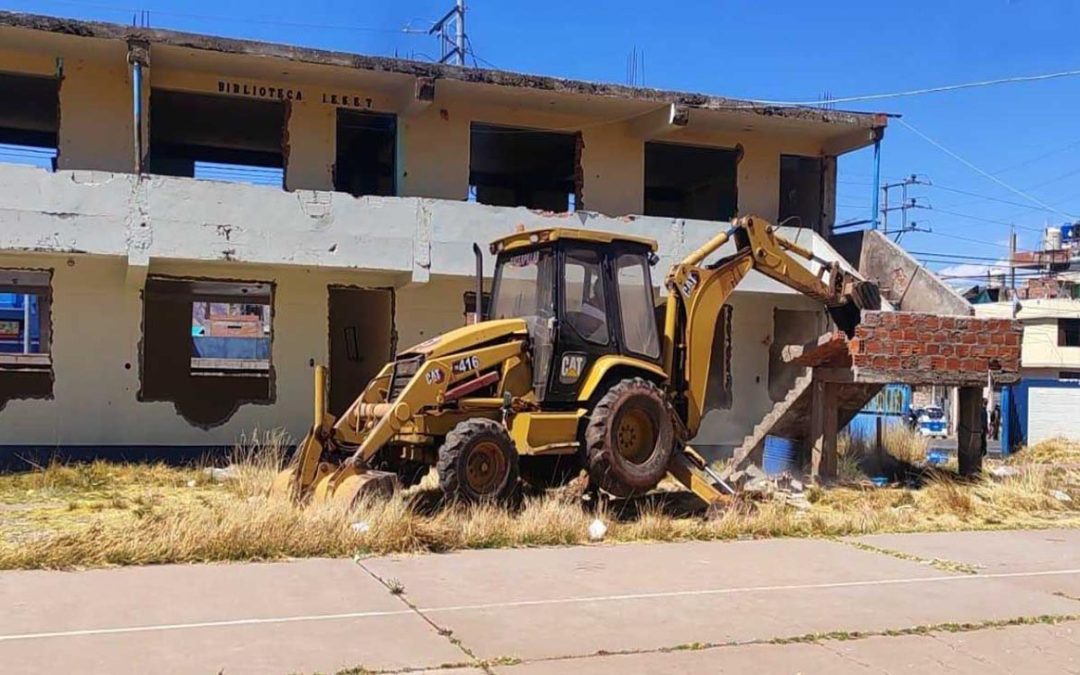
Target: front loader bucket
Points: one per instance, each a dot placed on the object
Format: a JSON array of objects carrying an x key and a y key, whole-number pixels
[{"x": 348, "y": 486}]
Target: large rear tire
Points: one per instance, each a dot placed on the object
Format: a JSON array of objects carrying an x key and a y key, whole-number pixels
[
  {"x": 630, "y": 438},
  {"x": 478, "y": 462}
]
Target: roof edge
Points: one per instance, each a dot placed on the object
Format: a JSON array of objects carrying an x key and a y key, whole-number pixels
[{"x": 114, "y": 31}]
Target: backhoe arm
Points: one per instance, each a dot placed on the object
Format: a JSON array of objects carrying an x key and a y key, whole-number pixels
[{"x": 696, "y": 296}]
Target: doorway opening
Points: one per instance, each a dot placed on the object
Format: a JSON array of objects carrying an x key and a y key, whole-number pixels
[{"x": 361, "y": 340}]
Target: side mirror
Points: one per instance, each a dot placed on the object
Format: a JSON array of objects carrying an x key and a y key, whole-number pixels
[{"x": 653, "y": 259}]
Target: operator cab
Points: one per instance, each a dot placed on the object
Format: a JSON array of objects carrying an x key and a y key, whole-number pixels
[{"x": 584, "y": 295}]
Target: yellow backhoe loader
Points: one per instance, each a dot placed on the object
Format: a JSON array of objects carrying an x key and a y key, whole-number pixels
[{"x": 574, "y": 367}]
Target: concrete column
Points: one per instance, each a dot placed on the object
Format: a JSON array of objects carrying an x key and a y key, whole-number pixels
[
  {"x": 759, "y": 181},
  {"x": 433, "y": 154},
  {"x": 613, "y": 167},
  {"x": 823, "y": 429},
  {"x": 311, "y": 158},
  {"x": 970, "y": 431},
  {"x": 97, "y": 128}
]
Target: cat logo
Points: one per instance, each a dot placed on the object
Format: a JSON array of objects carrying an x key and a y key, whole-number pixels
[
  {"x": 572, "y": 367},
  {"x": 689, "y": 284},
  {"x": 435, "y": 376}
]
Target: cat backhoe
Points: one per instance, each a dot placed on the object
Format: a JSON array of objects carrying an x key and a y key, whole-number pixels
[{"x": 573, "y": 367}]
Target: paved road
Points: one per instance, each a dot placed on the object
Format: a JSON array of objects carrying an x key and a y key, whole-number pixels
[{"x": 784, "y": 606}]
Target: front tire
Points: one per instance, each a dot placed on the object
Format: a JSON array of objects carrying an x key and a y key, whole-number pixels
[
  {"x": 630, "y": 438},
  {"x": 478, "y": 462}
]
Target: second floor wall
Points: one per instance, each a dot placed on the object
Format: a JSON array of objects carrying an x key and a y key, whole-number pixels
[{"x": 326, "y": 126}]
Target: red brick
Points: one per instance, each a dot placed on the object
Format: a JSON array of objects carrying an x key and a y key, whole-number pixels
[
  {"x": 968, "y": 338},
  {"x": 948, "y": 322},
  {"x": 947, "y": 350},
  {"x": 983, "y": 337},
  {"x": 952, "y": 364},
  {"x": 1012, "y": 339},
  {"x": 931, "y": 348},
  {"x": 937, "y": 362},
  {"x": 997, "y": 338},
  {"x": 963, "y": 351}
]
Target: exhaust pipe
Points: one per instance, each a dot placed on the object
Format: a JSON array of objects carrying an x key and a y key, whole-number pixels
[{"x": 478, "y": 309}]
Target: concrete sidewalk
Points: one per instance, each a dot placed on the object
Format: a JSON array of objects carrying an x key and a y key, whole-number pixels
[{"x": 781, "y": 605}]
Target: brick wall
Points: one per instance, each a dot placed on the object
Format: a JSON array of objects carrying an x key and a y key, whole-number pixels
[
  {"x": 1044, "y": 289},
  {"x": 927, "y": 348}
]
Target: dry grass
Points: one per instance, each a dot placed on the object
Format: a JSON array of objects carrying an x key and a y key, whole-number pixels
[{"x": 100, "y": 514}]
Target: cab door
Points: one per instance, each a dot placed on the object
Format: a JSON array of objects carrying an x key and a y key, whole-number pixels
[{"x": 585, "y": 330}]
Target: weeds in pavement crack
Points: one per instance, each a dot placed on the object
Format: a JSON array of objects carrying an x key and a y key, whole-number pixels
[{"x": 936, "y": 563}]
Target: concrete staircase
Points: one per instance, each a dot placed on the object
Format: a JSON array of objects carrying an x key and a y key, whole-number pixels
[
  {"x": 795, "y": 406},
  {"x": 790, "y": 417}
]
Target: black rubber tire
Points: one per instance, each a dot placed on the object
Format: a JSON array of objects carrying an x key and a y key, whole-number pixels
[
  {"x": 608, "y": 467},
  {"x": 461, "y": 447}
]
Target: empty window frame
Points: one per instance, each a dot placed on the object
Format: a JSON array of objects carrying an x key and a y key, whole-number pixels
[
  {"x": 29, "y": 120},
  {"x": 230, "y": 332},
  {"x": 25, "y": 301},
  {"x": 207, "y": 346},
  {"x": 1069, "y": 332},
  {"x": 801, "y": 191},
  {"x": 689, "y": 181},
  {"x": 25, "y": 334},
  {"x": 217, "y": 137},
  {"x": 366, "y": 149},
  {"x": 511, "y": 166}
]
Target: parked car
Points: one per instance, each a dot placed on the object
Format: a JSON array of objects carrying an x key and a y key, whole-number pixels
[{"x": 933, "y": 423}]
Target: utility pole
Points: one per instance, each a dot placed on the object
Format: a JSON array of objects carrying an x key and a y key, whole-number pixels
[
  {"x": 906, "y": 203},
  {"x": 450, "y": 30},
  {"x": 1012, "y": 270}
]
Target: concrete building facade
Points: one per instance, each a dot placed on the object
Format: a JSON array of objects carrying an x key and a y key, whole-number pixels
[{"x": 387, "y": 171}]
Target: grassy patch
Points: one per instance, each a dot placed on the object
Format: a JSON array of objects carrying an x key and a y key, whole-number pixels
[{"x": 102, "y": 514}]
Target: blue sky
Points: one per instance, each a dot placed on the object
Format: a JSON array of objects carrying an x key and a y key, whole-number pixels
[{"x": 1023, "y": 134}]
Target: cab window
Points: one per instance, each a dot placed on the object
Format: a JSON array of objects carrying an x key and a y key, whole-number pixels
[
  {"x": 583, "y": 295},
  {"x": 636, "y": 305},
  {"x": 523, "y": 285}
]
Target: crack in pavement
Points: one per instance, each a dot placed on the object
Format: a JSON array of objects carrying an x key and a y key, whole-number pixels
[
  {"x": 397, "y": 590},
  {"x": 937, "y": 563},
  {"x": 816, "y": 639}
]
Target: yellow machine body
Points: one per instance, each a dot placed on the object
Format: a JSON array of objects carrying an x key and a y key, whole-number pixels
[{"x": 485, "y": 370}]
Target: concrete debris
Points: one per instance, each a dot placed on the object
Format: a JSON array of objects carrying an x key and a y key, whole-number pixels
[
  {"x": 597, "y": 530},
  {"x": 1001, "y": 472},
  {"x": 361, "y": 527},
  {"x": 192, "y": 483},
  {"x": 741, "y": 478},
  {"x": 1061, "y": 496},
  {"x": 219, "y": 475}
]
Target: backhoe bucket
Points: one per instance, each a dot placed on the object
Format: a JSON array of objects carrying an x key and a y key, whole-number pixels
[{"x": 859, "y": 295}]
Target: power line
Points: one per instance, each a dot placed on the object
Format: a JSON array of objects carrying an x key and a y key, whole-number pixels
[
  {"x": 953, "y": 257},
  {"x": 959, "y": 214},
  {"x": 968, "y": 239},
  {"x": 983, "y": 173},
  {"x": 238, "y": 19},
  {"x": 930, "y": 90},
  {"x": 987, "y": 197}
]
